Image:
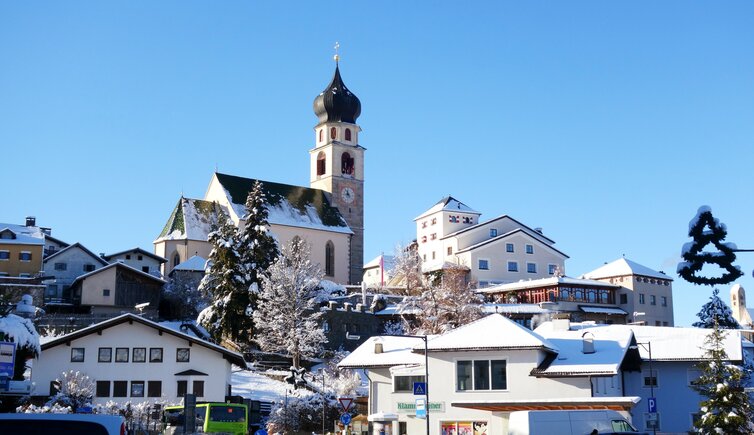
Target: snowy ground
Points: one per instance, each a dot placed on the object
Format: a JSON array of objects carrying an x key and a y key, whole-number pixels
[{"x": 256, "y": 386}]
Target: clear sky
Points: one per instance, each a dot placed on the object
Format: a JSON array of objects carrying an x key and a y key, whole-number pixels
[{"x": 606, "y": 123}]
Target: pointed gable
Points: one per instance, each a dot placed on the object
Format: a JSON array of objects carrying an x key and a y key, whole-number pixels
[
  {"x": 493, "y": 332},
  {"x": 448, "y": 204},
  {"x": 191, "y": 219}
]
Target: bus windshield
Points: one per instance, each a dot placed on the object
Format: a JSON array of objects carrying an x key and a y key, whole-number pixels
[{"x": 227, "y": 414}]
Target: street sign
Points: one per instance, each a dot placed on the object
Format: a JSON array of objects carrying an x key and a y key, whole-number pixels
[
  {"x": 345, "y": 403},
  {"x": 420, "y": 388},
  {"x": 652, "y": 405},
  {"x": 7, "y": 358},
  {"x": 421, "y": 408},
  {"x": 345, "y": 419}
]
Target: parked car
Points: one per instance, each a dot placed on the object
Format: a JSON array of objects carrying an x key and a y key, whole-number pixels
[
  {"x": 581, "y": 422},
  {"x": 61, "y": 424}
]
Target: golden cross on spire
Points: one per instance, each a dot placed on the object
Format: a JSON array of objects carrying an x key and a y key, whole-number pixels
[{"x": 336, "y": 57}]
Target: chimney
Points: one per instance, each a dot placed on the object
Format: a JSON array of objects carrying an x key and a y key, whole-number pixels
[
  {"x": 332, "y": 305},
  {"x": 347, "y": 306},
  {"x": 360, "y": 308},
  {"x": 31, "y": 221},
  {"x": 561, "y": 324},
  {"x": 539, "y": 230},
  {"x": 378, "y": 346},
  {"x": 587, "y": 339}
]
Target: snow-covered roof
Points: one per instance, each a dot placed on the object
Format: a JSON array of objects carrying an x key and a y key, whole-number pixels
[
  {"x": 76, "y": 245},
  {"x": 685, "y": 344},
  {"x": 22, "y": 235},
  {"x": 492, "y": 332},
  {"x": 528, "y": 230},
  {"x": 449, "y": 204},
  {"x": 435, "y": 265},
  {"x": 602, "y": 310},
  {"x": 393, "y": 310},
  {"x": 137, "y": 251},
  {"x": 545, "y": 282},
  {"x": 624, "y": 267},
  {"x": 626, "y": 402},
  {"x": 191, "y": 219},
  {"x": 116, "y": 264},
  {"x": 610, "y": 347},
  {"x": 233, "y": 357},
  {"x": 387, "y": 261},
  {"x": 395, "y": 351},
  {"x": 195, "y": 263},
  {"x": 514, "y": 309}
]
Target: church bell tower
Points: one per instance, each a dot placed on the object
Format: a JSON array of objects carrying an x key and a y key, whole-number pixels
[{"x": 337, "y": 162}]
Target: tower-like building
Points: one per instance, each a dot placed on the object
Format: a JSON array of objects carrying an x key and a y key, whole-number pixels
[{"x": 337, "y": 162}]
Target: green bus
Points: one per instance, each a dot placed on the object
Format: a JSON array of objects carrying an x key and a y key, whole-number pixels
[{"x": 212, "y": 417}]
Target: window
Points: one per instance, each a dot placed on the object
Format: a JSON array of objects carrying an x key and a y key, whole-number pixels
[
  {"x": 106, "y": 292},
  {"x": 512, "y": 266},
  {"x": 623, "y": 299},
  {"x": 346, "y": 164},
  {"x": 433, "y": 255},
  {"x": 481, "y": 374},
  {"x": 120, "y": 389},
  {"x": 664, "y": 301},
  {"x": 103, "y": 389},
  {"x": 176, "y": 260},
  {"x": 453, "y": 219},
  {"x": 137, "y": 388},
  {"x": 641, "y": 298},
  {"x": 531, "y": 267},
  {"x": 652, "y": 300},
  {"x": 424, "y": 224},
  {"x": 61, "y": 266},
  {"x": 145, "y": 269},
  {"x": 198, "y": 389},
  {"x": 333, "y": 133},
  {"x": 154, "y": 388},
  {"x": 4, "y": 255},
  {"x": 128, "y": 256},
  {"x": 139, "y": 257},
  {"x": 529, "y": 249},
  {"x": 433, "y": 236},
  {"x": 139, "y": 354},
  {"x": 450, "y": 250},
  {"x": 105, "y": 354},
  {"x": 348, "y": 134},
  {"x": 509, "y": 247},
  {"x": 77, "y": 354},
  {"x": 424, "y": 239},
  {"x": 321, "y": 163},
  {"x": 155, "y": 354},
  {"x": 467, "y": 220},
  {"x": 182, "y": 354},
  {"x": 434, "y": 221},
  {"x": 484, "y": 265},
  {"x": 121, "y": 354},
  {"x": 24, "y": 256},
  {"x": 493, "y": 232},
  {"x": 650, "y": 379},
  {"x": 88, "y": 268},
  {"x": 552, "y": 268},
  {"x": 329, "y": 258},
  {"x": 182, "y": 388},
  {"x": 321, "y": 134}
]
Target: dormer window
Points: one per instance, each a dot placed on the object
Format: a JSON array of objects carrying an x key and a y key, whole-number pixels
[
  {"x": 7, "y": 234},
  {"x": 348, "y": 134},
  {"x": 321, "y": 162}
]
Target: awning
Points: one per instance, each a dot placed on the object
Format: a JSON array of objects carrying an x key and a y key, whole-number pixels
[
  {"x": 578, "y": 403},
  {"x": 602, "y": 310}
]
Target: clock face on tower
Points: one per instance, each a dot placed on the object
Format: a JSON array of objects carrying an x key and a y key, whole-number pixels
[{"x": 347, "y": 195}]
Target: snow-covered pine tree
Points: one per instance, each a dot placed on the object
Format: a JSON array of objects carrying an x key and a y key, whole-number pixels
[
  {"x": 257, "y": 248},
  {"x": 716, "y": 312},
  {"x": 705, "y": 229},
  {"x": 726, "y": 408},
  {"x": 224, "y": 284},
  {"x": 287, "y": 315}
]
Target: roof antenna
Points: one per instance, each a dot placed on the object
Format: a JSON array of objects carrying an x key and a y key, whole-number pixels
[{"x": 336, "y": 57}]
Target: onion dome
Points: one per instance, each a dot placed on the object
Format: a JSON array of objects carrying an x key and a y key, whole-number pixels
[{"x": 336, "y": 103}]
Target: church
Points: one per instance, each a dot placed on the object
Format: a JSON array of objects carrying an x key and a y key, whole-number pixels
[{"x": 329, "y": 214}]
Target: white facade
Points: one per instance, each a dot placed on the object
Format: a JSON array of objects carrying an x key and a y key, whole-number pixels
[
  {"x": 497, "y": 251},
  {"x": 147, "y": 361}
]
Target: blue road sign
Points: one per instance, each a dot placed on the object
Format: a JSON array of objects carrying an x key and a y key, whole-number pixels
[
  {"x": 652, "y": 404},
  {"x": 421, "y": 408},
  {"x": 260, "y": 432},
  {"x": 420, "y": 388},
  {"x": 345, "y": 419}
]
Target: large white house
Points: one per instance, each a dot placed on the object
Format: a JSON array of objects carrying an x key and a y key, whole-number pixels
[
  {"x": 500, "y": 250},
  {"x": 134, "y": 359}
]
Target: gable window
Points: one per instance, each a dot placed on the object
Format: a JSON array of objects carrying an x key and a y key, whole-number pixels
[
  {"x": 321, "y": 163},
  {"x": 481, "y": 375},
  {"x": 77, "y": 354},
  {"x": 182, "y": 354},
  {"x": 4, "y": 255},
  {"x": 551, "y": 268},
  {"x": 182, "y": 388},
  {"x": 509, "y": 247},
  {"x": 346, "y": 164},
  {"x": 403, "y": 384},
  {"x": 154, "y": 388},
  {"x": 140, "y": 258},
  {"x": 484, "y": 264},
  {"x": 128, "y": 256},
  {"x": 333, "y": 133},
  {"x": 105, "y": 354},
  {"x": 61, "y": 266},
  {"x": 88, "y": 268},
  {"x": 512, "y": 266},
  {"x": 329, "y": 258},
  {"x": 120, "y": 388},
  {"x": 531, "y": 267},
  {"x": 529, "y": 249},
  {"x": 348, "y": 134},
  {"x": 103, "y": 389},
  {"x": 121, "y": 354},
  {"x": 493, "y": 232},
  {"x": 155, "y": 354},
  {"x": 24, "y": 256},
  {"x": 137, "y": 388}
]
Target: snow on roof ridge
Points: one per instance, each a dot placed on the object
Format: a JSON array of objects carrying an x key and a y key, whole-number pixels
[
  {"x": 621, "y": 267},
  {"x": 192, "y": 263},
  {"x": 442, "y": 205}
]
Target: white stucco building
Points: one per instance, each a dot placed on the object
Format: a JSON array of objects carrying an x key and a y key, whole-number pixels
[
  {"x": 134, "y": 359},
  {"x": 500, "y": 250}
]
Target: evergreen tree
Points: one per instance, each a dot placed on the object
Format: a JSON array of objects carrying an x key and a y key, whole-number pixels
[
  {"x": 726, "y": 408},
  {"x": 704, "y": 229},
  {"x": 226, "y": 316},
  {"x": 716, "y": 312},
  {"x": 257, "y": 247},
  {"x": 287, "y": 315}
]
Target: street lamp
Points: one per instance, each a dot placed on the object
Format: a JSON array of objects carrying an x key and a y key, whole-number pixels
[{"x": 652, "y": 379}]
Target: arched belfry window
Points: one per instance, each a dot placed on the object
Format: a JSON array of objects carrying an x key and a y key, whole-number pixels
[
  {"x": 333, "y": 133},
  {"x": 176, "y": 260},
  {"x": 346, "y": 164},
  {"x": 329, "y": 259},
  {"x": 348, "y": 134},
  {"x": 321, "y": 134},
  {"x": 321, "y": 162}
]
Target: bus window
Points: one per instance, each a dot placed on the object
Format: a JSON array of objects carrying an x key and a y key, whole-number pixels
[{"x": 227, "y": 414}]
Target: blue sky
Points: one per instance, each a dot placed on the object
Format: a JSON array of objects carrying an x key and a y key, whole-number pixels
[{"x": 606, "y": 123}]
